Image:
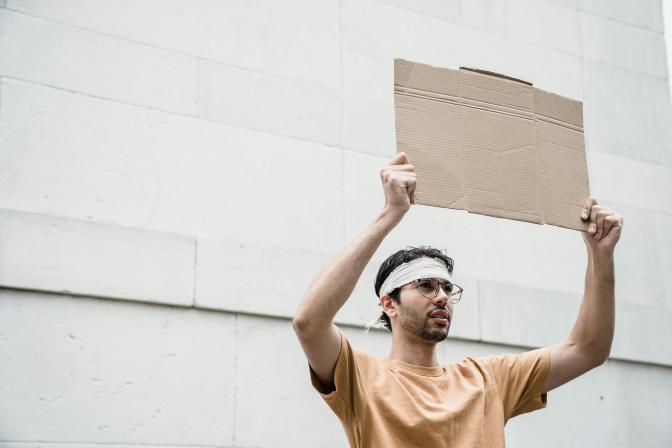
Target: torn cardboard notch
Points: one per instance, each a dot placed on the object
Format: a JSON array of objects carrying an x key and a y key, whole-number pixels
[{"x": 491, "y": 144}]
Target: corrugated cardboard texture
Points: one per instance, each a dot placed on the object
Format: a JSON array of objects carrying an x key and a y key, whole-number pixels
[{"x": 491, "y": 144}]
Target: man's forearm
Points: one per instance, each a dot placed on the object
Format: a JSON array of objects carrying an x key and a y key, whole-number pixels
[
  {"x": 593, "y": 331},
  {"x": 332, "y": 287}
]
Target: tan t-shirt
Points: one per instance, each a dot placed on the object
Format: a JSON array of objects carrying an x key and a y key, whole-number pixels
[{"x": 384, "y": 403}]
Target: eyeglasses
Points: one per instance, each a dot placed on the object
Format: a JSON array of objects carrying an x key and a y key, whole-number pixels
[{"x": 429, "y": 288}]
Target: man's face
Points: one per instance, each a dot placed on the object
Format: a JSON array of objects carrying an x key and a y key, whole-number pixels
[{"x": 428, "y": 319}]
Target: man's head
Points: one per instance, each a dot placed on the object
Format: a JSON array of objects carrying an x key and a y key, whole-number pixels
[{"x": 420, "y": 306}]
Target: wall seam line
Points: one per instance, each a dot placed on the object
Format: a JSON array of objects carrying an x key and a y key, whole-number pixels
[{"x": 166, "y": 49}]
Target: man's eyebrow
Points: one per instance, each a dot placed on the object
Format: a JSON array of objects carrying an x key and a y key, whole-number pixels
[{"x": 438, "y": 280}]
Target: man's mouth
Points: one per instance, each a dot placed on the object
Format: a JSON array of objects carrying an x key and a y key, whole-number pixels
[{"x": 440, "y": 316}]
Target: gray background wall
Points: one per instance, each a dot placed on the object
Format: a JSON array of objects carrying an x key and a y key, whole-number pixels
[{"x": 173, "y": 174}]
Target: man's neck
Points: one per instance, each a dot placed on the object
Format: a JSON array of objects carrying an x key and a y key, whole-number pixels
[{"x": 413, "y": 350}]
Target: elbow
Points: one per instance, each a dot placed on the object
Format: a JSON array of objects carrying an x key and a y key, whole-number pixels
[
  {"x": 602, "y": 358},
  {"x": 310, "y": 319},
  {"x": 299, "y": 324},
  {"x": 300, "y": 319},
  {"x": 308, "y": 328},
  {"x": 596, "y": 361},
  {"x": 592, "y": 355},
  {"x": 303, "y": 329},
  {"x": 601, "y": 353},
  {"x": 598, "y": 357},
  {"x": 302, "y": 325}
]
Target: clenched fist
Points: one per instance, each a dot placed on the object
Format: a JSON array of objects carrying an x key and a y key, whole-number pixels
[
  {"x": 399, "y": 183},
  {"x": 604, "y": 229}
]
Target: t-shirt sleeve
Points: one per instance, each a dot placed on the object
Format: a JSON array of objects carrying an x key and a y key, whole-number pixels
[
  {"x": 350, "y": 378},
  {"x": 519, "y": 380}
]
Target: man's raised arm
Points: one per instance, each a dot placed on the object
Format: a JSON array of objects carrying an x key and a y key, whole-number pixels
[
  {"x": 589, "y": 342},
  {"x": 313, "y": 321}
]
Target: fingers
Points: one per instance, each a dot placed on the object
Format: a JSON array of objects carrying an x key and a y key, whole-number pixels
[
  {"x": 587, "y": 206},
  {"x": 407, "y": 181},
  {"x": 391, "y": 171},
  {"x": 602, "y": 219},
  {"x": 403, "y": 167},
  {"x": 410, "y": 187},
  {"x": 597, "y": 214},
  {"x": 589, "y": 212},
  {"x": 399, "y": 181},
  {"x": 602, "y": 223},
  {"x": 612, "y": 221},
  {"x": 400, "y": 162}
]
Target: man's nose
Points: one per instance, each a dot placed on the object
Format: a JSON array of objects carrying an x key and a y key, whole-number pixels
[{"x": 441, "y": 298}]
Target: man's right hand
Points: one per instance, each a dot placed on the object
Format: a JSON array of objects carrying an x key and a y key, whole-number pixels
[{"x": 399, "y": 183}]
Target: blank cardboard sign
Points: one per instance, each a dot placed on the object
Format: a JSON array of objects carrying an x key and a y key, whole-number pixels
[{"x": 492, "y": 145}]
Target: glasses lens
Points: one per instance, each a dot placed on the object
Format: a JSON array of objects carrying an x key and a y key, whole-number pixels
[
  {"x": 448, "y": 288},
  {"x": 457, "y": 294},
  {"x": 428, "y": 288}
]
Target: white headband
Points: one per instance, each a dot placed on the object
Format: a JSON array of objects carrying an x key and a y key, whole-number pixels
[{"x": 423, "y": 267}]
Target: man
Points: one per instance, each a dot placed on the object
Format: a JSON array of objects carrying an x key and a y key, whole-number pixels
[{"x": 408, "y": 399}]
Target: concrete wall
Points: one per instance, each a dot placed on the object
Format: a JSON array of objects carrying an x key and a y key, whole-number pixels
[{"x": 173, "y": 174}]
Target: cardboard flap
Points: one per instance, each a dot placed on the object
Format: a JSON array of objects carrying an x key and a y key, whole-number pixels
[
  {"x": 491, "y": 144},
  {"x": 495, "y": 74}
]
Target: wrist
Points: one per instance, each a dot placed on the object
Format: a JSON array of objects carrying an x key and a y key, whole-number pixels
[
  {"x": 601, "y": 255},
  {"x": 393, "y": 213},
  {"x": 601, "y": 262}
]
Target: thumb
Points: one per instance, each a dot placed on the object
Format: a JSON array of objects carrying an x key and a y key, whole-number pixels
[{"x": 400, "y": 159}]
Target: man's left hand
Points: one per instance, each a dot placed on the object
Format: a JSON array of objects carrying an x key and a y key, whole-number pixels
[{"x": 604, "y": 229}]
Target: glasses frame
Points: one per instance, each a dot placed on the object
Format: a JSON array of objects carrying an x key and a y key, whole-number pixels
[{"x": 453, "y": 296}]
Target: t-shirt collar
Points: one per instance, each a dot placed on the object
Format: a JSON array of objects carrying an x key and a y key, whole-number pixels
[{"x": 412, "y": 368}]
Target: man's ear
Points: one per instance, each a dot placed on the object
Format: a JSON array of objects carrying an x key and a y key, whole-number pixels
[{"x": 389, "y": 305}]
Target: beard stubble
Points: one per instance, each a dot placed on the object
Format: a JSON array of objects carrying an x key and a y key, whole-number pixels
[{"x": 418, "y": 324}]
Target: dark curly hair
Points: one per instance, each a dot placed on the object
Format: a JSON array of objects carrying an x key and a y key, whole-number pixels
[{"x": 404, "y": 256}]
